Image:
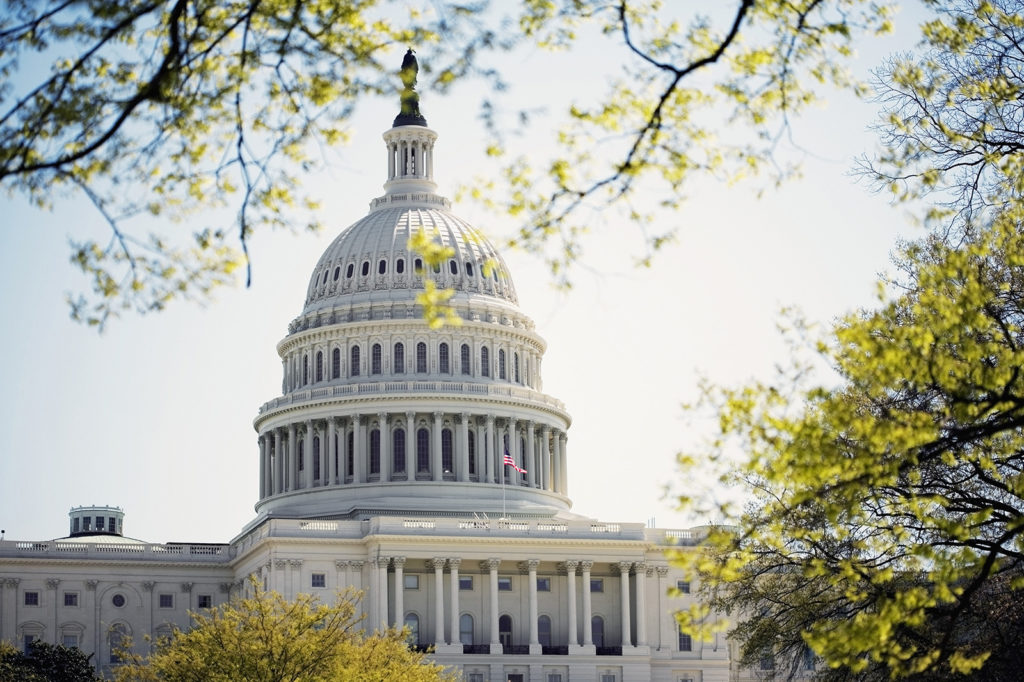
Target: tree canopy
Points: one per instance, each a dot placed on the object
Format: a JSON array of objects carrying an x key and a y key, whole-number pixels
[
  {"x": 172, "y": 108},
  {"x": 267, "y": 638},
  {"x": 886, "y": 527},
  {"x": 45, "y": 663}
]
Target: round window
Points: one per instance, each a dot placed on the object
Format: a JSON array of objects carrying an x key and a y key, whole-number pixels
[{"x": 118, "y": 600}]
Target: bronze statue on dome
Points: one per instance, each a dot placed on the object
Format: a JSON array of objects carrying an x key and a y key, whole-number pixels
[{"x": 410, "y": 113}]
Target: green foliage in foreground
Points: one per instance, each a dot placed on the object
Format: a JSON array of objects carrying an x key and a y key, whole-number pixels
[
  {"x": 267, "y": 638},
  {"x": 45, "y": 663}
]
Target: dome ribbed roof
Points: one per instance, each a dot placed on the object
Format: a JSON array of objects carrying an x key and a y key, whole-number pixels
[{"x": 371, "y": 261}]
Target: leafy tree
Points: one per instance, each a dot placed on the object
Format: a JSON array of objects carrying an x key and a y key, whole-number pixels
[
  {"x": 45, "y": 663},
  {"x": 169, "y": 107},
  {"x": 886, "y": 526},
  {"x": 267, "y": 638}
]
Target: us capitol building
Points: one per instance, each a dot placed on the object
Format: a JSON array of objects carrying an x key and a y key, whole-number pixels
[{"x": 426, "y": 468}]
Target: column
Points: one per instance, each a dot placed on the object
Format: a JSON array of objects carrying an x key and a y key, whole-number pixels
[
  {"x": 382, "y": 594},
  {"x": 662, "y": 574},
  {"x": 492, "y": 566},
  {"x": 545, "y": 458},
  {"x": 462, "y": 467},
  {"x": 435, "y": 448},
  {"x": 453, "y": 633},
  {"x": 359, "y": 446},
  {"x": 624, "y": 567},
  {"x": 531, "y": 464},
  {"x": 385, "y": 447},
  {"x": 531, "y": 572},
  {"x": 289, "y": 483},
  {"x": 399, "y": 562},
  {"x": 487, "y": 449},
  {"x": 563, "y": 463},
  {"x": 497, "y": 453},
  {"x": 570, "y": 585},
  {"x": 641, "y": 570},
  {"x": 481, "y": 452},
  {"x": 437, "y": 564},
  {"x": 513, "y": 449},
  {"x": 588, "y": 630},
  {"x": 356, "y": 568},
  {"x": 262, "y": 440},
  {"x": 328, "y": 471},
  {"x": 307, "y": 456},
  {"x": 410, "y": 439}
]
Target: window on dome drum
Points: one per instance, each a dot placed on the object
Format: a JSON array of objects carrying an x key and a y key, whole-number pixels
[
  {"x": 543, "y": 584},
  {"x": 319, "y": 366},
  {"x": 167, "y": 601},
  {"x": 337, "y": 273},
  {"x": 442, "y": 358},
  {"x": 100, "y": 523},
  {"x": 469, "y": 268},
  {"x": 301, "y": 456},
  {"x": 354, "y": 361},
  {"x": 467, "y": 366},
  {"x": 349, "y": 455},
  {"x": 436, "y": 267},
  {"x": 685, "y": 642},
  {"x": 326, "y": 272},
  {"x": 400, "y": 266},
  {"x": 466, "y": 629},
  {"x": 399, "y": 359},
  {"x": 382, "y": 267},
  {"x": 316, "y": 457},
  {"x": 501, "y": 363},
  {"x": 422, "y": 450},
  {"x": 70, "y": 599},
  {"x": 375, "y": 359},
  {"x": 86, "y": 523},
  {"x": 504, "y": 583},
  {"x": 375, "y": 451},
  {"x": 31, "y": 598},
  {"x": 485, "y": 365},
  {"x": 412, "y": 622},
  {"x": 597, "y": 584},
  {"x": 597, "y": 630},
  {"x": 205, "y": 601},
  {"x": 505, "y": 630},
  {"x": 446, "y": 451},
  {"x": 366, "y": 268},
  {"x": 515, "y": 366},
  {"x": 336, "y": 363},
  {"x": 421, "y": 357},
  {"x": 336, "y": 454},
  {"x": 453, "y": 267},
  {"x": 305, "y": 370},
  {"x": 417, "y": 266},
  {"x": 74, "y": 525},
  {"x": 319, "y": 580},
  {"x": 471, "y": 447},
  {"x": 683, "y": 586},
  {"x": 398, "y": 450},
  {"x": 465, "y": 583},
  {"x": 544, "y": 630},
  {"x": 349, "y": 270},
  {"x": 475, "y": 677}
]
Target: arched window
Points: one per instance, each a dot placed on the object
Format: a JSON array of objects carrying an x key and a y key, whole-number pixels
[
  {"x": 336, "y": 363},
  {"x": 515, "y": 367},
  {"x": 442, "y": 358},
  {"x": 337, "y": 273},
  {"x": 375, "y": 451},
  {"x": 467, "y": 366},
  {"x": 597, "y": 630},
  {"x": 349, "y": 270},
  {"x": 350, "y": 460},
  {"x": 400, "y": 266},
  {"x": 302, "y": 454},
  {"x": 446, "y": 451},
  {"x": 366, "y": 268},
  {"x": 398, "y": 450},
  {"x": 485, "y": 362},
  {"x": 117, "y": 638},
  {"x": 316, "y": 457},
  {"x": 412, "y": 622},
  {"x": 471, "y": 447},
  {"x": 505, "y": 631},
  {"x": 453, "y": 268},
  {"x": 305, "y": 370},
  {"x": 382, "y": 267},
  {"x": 544, "y": 630},
  {"x": 421, "y": 357},
  {"x": 501, "y": 363},
  {"x": 325, "y": 277},
  {"x": 399, "y": 358},
  {"x": 422, "y": 450},
  {"x": 375, "y": 359},
  {"x": 417, "y": 265},
  {"x": 319, "y": 366},
  {"x": 469, "y": 268},
  {"x": 353, "y": 369},
  {"x": 466, "y": 629}
]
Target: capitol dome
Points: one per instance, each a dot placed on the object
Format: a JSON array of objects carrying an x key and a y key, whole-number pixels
[{"x": 378, "y": 413}]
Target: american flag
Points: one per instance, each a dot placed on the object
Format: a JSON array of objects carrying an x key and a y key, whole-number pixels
[{"x": 512, "y": 463}]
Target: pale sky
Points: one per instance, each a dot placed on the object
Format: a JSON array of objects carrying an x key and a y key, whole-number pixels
[{"x": 156, "y": 414}]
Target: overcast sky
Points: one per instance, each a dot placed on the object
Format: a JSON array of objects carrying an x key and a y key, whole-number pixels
[{"x": 156, "y": 414}]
